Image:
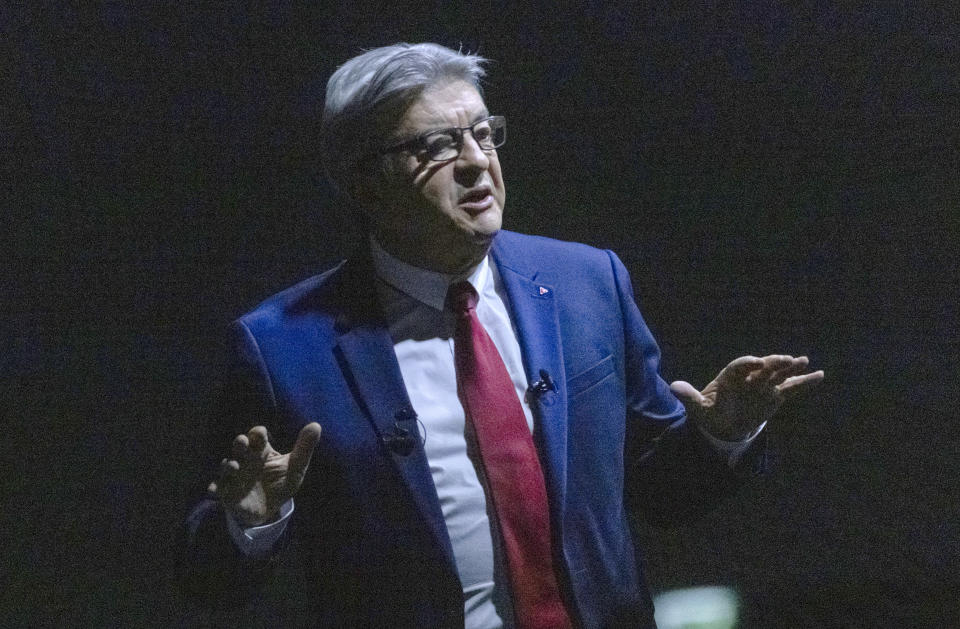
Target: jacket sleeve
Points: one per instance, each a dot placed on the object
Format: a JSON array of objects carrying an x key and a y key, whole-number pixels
[
  {"x": 217, "y": 579},
  {"x": 673, "y": 472}
]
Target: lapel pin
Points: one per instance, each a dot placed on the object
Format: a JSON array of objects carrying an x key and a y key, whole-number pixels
[{"x": 544, "y": 290}]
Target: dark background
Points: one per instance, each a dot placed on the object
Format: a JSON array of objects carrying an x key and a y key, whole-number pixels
[{"x": 776, "y": 179}]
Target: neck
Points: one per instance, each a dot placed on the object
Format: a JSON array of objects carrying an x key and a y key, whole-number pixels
[{"x": 455, "y": 261}]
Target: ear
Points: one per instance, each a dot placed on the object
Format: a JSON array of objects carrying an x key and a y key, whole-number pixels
[{"x": 373, "y": 183}]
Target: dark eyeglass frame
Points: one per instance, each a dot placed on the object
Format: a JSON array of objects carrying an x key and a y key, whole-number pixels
[{"x": 419, "y": 143}]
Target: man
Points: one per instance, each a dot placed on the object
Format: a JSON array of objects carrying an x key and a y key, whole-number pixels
[{"x": 469, "y": 412}]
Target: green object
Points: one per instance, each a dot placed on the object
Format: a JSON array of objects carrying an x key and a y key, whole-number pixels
[{"x": 706, "y": 607}]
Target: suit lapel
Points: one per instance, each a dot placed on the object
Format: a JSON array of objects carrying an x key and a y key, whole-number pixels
[
  {"x": 371, "y": 367},
  {"x": 534, "y": 310}
]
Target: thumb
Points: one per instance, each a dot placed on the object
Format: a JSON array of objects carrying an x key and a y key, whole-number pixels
[
  {"x": 686, "y": 392},
  {"x": 303, "y": 450}
]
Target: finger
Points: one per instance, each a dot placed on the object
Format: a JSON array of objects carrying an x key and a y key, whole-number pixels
[
  {"x": 795, "y": 368},
  {"x": 794, "y": 384},
  {"x": 686, "y": 393},
  {"x": 228, "y": 469},
  {"x": 771, "y": 364},
  {"x": 258, "y": 439},
  {"x": 226, "y": 486},
  {"x": 241, "y": 448},
  {"x": 741, "y": 367},
  {"x": 303, "y": 449}
]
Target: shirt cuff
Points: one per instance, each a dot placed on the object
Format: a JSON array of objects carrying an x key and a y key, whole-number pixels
[
  {"x": 733, "y": 450},
  {"x": 257, "y": 542}
]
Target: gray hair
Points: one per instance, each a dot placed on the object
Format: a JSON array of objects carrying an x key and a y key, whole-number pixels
[{"x": 363, "y": 88}]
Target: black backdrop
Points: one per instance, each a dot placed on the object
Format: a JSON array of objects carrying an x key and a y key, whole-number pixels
[{"x": 776, "y": 179}]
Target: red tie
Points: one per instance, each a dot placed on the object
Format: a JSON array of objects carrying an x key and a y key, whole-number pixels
[{"x": 509, "y": 460}]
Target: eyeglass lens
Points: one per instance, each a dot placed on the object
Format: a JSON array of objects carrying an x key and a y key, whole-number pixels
[{"x": 490, "y": 133}]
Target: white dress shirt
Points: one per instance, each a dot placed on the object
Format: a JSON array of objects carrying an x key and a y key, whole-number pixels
[{"x": 422, "y": 331}]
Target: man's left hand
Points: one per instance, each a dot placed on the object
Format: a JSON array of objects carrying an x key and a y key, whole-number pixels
[{"x": 745, "y": 393}]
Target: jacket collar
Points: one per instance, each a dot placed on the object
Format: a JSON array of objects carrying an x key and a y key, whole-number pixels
[{"x": 428, "y": 287}]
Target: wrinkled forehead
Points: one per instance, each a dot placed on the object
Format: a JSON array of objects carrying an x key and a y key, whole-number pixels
[{"x": 442, "y": 105}]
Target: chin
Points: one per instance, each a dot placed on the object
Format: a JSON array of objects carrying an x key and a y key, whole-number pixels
[
  {"x": 488, "y": 224},
  {"x": 484, "y": 238}
]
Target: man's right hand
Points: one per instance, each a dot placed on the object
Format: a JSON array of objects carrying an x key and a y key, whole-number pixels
[{"x": 256, "y": 481}]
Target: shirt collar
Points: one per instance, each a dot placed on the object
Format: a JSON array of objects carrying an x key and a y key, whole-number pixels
[{"x": 428, "y": 287}]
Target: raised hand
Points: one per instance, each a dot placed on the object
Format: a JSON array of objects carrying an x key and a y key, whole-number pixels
[
  {"x": 257, "y": 479},
  {"x": 745, "y": 393}
]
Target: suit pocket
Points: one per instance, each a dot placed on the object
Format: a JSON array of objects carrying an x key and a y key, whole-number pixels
[{"x": 590, "y": 377}]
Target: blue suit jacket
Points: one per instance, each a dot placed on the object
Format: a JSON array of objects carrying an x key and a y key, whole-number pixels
[{"x": 368, "y": 529}]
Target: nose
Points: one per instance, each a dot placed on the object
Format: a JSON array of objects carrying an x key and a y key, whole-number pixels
[{"x": 471, "y": 155}]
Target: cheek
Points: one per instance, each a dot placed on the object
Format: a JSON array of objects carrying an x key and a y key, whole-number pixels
[
  {"x": 438, "y": 192},
  {"x": 497, "y": 175}
]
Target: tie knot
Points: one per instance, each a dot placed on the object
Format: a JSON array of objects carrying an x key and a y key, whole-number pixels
[{"x": 461, "y": 298}]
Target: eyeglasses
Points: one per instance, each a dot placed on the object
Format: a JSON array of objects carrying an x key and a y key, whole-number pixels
[{"x": 446, "y": 144}]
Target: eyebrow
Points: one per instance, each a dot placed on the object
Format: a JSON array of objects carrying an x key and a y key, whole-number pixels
[{"x": 437, "y": 127}]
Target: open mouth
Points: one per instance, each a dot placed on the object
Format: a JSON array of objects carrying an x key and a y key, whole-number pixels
[{"x": 477, "y": 200}]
